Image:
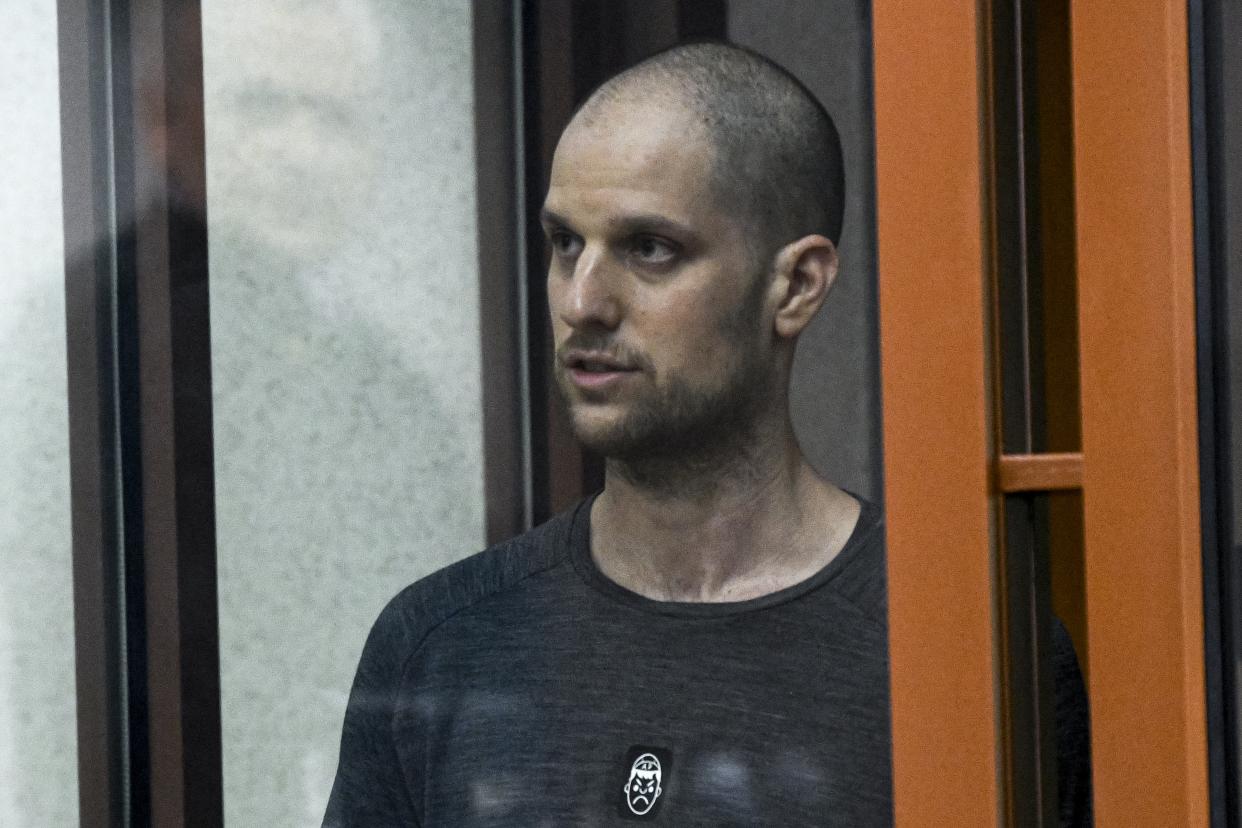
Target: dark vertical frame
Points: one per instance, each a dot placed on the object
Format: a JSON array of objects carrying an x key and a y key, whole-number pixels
[
  {"x": 98, "y": 625},
  {"x": 1058, "y": 348},
  {"x": 502, "y": 314},
  {"x": 174, "y": 359},
  {"x": 129, "y": 411},
  {"x": 141, "y": 446},
  {"x": 1207, "y": 43},
  {"x": 544, "y": 51}
]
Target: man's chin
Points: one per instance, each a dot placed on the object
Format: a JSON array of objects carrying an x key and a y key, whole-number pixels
[
  {"x": 601, "y": 441},
  {"x": 602, "y": 434}
]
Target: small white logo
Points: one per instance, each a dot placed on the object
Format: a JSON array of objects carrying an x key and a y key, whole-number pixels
[{"x": 643, "y": 788}]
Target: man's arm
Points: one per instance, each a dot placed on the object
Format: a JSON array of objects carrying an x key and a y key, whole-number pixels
[
  {"x": 370, "y": 788},
  {"x": 1073, "y": 734}
]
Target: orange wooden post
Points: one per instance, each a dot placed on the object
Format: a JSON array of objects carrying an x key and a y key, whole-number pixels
[
  {"x": 937, "y": 430},
  {"x": 1140, "y": 474}
]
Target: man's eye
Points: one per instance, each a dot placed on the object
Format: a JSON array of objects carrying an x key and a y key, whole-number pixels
[
  {"x": 653, "y": 250},
  {"x": 564, "y": 244}
]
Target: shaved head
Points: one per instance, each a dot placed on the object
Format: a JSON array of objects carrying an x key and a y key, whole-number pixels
[{"x": 776, "y": 155}]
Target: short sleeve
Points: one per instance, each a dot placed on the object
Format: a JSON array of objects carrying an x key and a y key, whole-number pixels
[{"x": 370, "y": 788}]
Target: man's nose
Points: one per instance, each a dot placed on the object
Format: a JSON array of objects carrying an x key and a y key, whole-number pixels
[{"x": 591, "y": 298}]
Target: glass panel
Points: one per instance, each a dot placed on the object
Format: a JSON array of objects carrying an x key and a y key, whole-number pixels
[
  {"x": 38, "y": 740},
  {"x": 346, "y": 356}
]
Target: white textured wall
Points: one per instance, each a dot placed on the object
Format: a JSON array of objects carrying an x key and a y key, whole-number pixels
[
  {"x": 344, "y": 290},
  {"x": 38, "y": 743}
]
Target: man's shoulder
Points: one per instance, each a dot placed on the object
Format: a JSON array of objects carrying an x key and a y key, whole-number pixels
[
  {"x": 861, "y": 579},
  {"x": 430, "y": 601}
]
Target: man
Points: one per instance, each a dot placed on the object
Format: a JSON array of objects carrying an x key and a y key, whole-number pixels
[{"x": 704, "y": 642}]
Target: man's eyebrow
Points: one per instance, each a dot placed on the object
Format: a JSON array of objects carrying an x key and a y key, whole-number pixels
[
  {"x": 650, "y": 223},
  {"x": 546, "y": 216},
  {"x": 635, "y": 223}
]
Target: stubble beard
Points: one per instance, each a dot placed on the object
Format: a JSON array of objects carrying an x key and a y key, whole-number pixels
[{"x": 683, "y": 437}]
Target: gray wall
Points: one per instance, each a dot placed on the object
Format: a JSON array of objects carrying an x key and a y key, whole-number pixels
[
  {"x": 340, "y": 166},
  {"x": 38, "y": 742},
  {"x": 835, "y": 395}
]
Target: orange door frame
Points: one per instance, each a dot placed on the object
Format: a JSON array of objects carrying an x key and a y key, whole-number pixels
[
  {"x": 938, "y": 440},
  {"x": 1139, "y": 464},
  {"x": 1139, "y": 416}
]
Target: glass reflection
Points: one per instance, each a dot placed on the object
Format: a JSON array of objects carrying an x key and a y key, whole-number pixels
[{"x": 341, "y": 212}]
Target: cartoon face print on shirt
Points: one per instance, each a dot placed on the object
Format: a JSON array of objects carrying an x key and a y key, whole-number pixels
[
  {"x": 646, "y": 772},
  {"x": 643, "y": 787}
]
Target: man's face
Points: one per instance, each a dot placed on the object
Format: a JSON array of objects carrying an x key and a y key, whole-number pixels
[{"x": 658, "y": 305}]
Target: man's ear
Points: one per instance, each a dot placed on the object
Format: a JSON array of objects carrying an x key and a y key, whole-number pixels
[{"x": 805, "y": 271}]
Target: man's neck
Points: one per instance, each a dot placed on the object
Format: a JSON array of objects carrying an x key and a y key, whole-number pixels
[{"x": 736, "y": 531}]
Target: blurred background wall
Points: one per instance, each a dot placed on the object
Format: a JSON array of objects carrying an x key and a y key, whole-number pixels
[
  {"x": 344, "y": 291},
  {"x": 38, "y": 740}
]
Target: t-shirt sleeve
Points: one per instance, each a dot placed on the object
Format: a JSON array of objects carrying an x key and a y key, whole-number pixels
[
  {"x": 1073, "y": 734},
  {"x": 370, "y": 788}
]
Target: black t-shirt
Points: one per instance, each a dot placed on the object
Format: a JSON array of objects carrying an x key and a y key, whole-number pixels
[{"x": 521, "y": 687}]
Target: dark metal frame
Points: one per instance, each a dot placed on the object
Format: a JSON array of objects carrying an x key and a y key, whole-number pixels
[
  {"x": 174, "y": 416},
  {"x": 502, "y": 313},
  {"x": 141, "y": 451},
  {"x": 1222, "y": 580},
  {"x": 102, "y": 722}
]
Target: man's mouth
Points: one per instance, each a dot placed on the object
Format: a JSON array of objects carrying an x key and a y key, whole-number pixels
[
  {"x": 595, "y": 362},
  {"x": 640, "y": 798},
  {"x": 594, "y": 369}
]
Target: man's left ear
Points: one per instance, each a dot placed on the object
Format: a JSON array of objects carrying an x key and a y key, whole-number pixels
[{"x": 805, "y": 271}]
